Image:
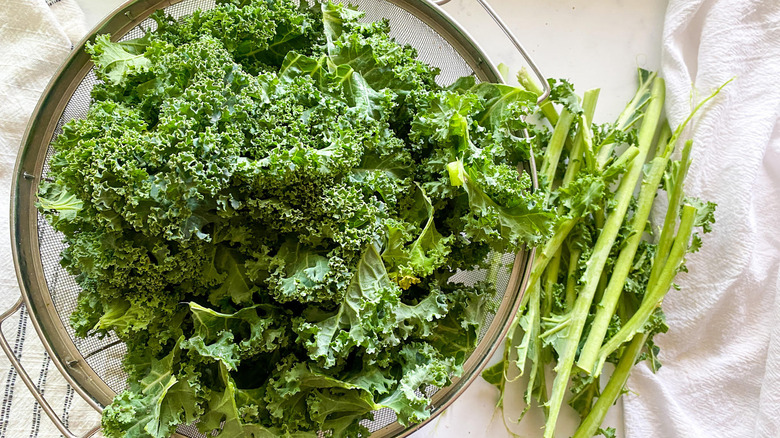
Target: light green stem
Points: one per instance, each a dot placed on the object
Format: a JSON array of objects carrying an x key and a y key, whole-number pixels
[
  {"x": 676, "y": 194},
  {"x": 613, "y": 292},
  {"x": 551, "y": 279},
  {"x": 626, "y": 157},
  {"x": 654, "y": 296},
  {"x": 537, "y": 377},
  {"x": 670, "y": 220},
  {"x": 548, "y": 251},
  {"x": 600, "y": 253},
  {"x": 589, "y": 100},
  {"x": 603, "y": 155},
  {"x": 590, "y": 425},
  {"x": 571, "y": 278},
  {"x": 548, "y": 110},
  {"x": 533, "y": 292},
  {"x": 623, "y": 160},
  {"x": 554, "y": 148},
  {"x": 663, "y": 147},
  {"x": 602, "y": 286},
  {"x": 632, "y": 112},
  {"x": 606, "y": 307}
]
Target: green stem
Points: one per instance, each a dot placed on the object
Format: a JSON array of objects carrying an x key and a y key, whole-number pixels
[
  {"x": 529, "y": 324},
  {"x": 613, "y": 293},
  {"x": 677, "y": 132},
  {"x": 548, "y": 110},
  {"x": 587, "y": 148},
  {"x": 571, "y": 278},
  {"x": 603, "y": 155},
  {"x": 532, "y": 293},
  {"x": 626, "y": 308},
  {"x": 670, "y": 220},
  {"x": 589, "y": 100},
  {"x": 551, "y": 279},
  {"x": 602, "y": 286},
  {"x": 606, "y": 307},
  {"x": 554, "y": 148},
  {"x": 676, "y": 195},
  {"x": 537, "y": 377},
  {"x": 630, "y": 115},
  {"x": 599, "y": 256},
  {"x": 626, "y": 157},
  {"x": 548, "y": 251},
  {"x": 663, "y": 145},
  {"x": 632, "y": 112},
  {"x": 590, "y": 425},
  {"x": 655, "y": 295}
]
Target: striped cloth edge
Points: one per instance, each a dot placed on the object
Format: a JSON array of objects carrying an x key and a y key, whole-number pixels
[{"x": 20, "y": 414}]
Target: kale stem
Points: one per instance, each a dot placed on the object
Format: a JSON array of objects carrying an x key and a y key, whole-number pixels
[
  {"x": 571, "y": 278},
  {"x": 606, "y": 307},
  {"x": 675, "y": 195},
  {"x": 600, "y": 254},
  {"x": 626, "y": 157},
  {"x": 537, "y": 377},
  {"x": 670, "y": 220},
  {"x": 613, "y": 390},
  {"x": 551, "y": 279},
  {"x": 561, "y": 232},
  {"x": 630, "y": 114},
  {"x": 655, "y": 295},
  {"x": 527, "y": 311},
  {"x": 614, "y": 289},
  {"x": 584, "y": 134},
  {"x": 554, "y": 148},
  {"x": 547, "y": 108},
  {"x": 603, "y": 154},
  {"x": 662, "y": 145},
  {"x": 602, "y": 286},
  {"x": 552, "y": 245}
]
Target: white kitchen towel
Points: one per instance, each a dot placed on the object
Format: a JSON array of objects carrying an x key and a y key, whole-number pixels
[
  {"x": 36, "y": 36},
  {"x": 721, "y": 373}
]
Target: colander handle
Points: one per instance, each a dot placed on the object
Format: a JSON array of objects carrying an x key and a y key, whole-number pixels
[
  {"x": 489, "y": 9},
  {"x": 36, "y": 393}
]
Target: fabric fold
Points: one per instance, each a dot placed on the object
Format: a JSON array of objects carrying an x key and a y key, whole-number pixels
[{"x": 721, "y": 355}]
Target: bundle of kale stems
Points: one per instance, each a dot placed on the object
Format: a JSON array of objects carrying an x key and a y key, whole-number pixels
[
  {"x": 266, "y": 203},
  {"x": 597, "y": 283}
]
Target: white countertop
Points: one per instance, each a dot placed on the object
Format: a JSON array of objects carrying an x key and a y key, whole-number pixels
[{"x": 593, "y": 44}]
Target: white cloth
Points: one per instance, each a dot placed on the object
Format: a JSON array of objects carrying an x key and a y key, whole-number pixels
[
  {"x": 721, "y": 356},
  {"x": 36, "y": 36}
]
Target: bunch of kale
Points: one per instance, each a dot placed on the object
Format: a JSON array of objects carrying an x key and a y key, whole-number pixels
[{"x": 266, "y": 202}]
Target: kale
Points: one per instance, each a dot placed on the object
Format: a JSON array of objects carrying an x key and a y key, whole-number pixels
[
  {"x": 597, "y": 283},
  {"x": 265, "y": 203}
]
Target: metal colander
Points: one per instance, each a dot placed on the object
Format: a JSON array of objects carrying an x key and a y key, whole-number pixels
[{"x": 93, "y": 366}]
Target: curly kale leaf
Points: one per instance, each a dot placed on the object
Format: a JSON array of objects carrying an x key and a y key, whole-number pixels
[
  {"x": 116, "y": 61},
  {"x": 155, "y": 405},
  {"x": 371, "y": 316},
  {"x": 427, "y": 252},
  {"x": 495, "y": 224},
  {"x": 257, "y": 329}
]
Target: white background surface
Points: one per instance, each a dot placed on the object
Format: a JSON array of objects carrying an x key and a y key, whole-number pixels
[{"x": 592, "y": 43}]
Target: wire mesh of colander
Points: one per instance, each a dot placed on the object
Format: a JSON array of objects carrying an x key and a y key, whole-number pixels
[{"x": 93, "y": 365}]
